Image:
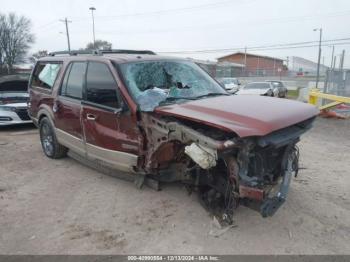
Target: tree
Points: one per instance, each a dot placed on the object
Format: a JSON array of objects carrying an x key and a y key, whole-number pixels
[
  {"x": 37, "y": 55},
  {"x": 40, "y": 53},
  {"x": 15, "y": 39},
  {"x": 99, "y": 44}
]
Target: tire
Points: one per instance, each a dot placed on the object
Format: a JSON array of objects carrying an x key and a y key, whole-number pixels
[{"x": 49, "y": 143}]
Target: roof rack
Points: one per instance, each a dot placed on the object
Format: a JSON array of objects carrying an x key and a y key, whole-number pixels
[{"x": 101, "y": 52}]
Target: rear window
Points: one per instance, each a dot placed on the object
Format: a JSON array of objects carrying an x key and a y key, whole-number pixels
[
  {"x": 45, "y": 74},
  {"x": 73, "y": 81},
  {"x": 278, "y": 84}
]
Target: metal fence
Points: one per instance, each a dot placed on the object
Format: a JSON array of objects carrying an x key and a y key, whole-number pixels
[{"x": 337, "y": 82}]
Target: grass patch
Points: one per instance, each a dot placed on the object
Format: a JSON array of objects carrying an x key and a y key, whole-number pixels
[{"x": 293, "y": 94}]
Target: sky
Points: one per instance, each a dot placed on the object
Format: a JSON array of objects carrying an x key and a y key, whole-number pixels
[{"x": 182, "y": 25}]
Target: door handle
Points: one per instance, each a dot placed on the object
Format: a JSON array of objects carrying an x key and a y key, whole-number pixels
[{"x": 91, "y": 117}]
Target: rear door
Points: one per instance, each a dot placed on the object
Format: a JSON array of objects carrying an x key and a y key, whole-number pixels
[
  {"x": 110, "y": 133},
  {"x": 67, "y": 108}
]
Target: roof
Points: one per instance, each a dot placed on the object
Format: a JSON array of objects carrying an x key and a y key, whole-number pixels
[
  {"x": 249, "y": 54},
  {"x": 117, "y": 57}
]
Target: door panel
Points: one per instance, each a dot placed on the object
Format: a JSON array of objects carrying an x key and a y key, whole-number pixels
[
  {"x": 106, "y": 140},
  {"x": 67, "y": 116},
  {"x": 67, "y": 108},
  {"x": 68, "y": 124},
  {"x": 110, "y": 134}
]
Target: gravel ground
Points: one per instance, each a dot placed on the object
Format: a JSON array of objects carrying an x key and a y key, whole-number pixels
[{"x": 62, "y": 207}]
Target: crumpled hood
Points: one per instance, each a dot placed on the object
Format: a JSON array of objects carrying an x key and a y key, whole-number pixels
[
  {"x": 244, "y": 115},
  {"x": 19, "y": 105}
]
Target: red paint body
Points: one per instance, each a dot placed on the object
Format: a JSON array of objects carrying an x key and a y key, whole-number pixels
[
  {"x": 110, "y": 131},
  {"x": 244, "y": 115}
]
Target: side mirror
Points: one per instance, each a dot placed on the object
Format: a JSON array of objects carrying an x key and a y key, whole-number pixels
[{"x": 122, "y": 109}]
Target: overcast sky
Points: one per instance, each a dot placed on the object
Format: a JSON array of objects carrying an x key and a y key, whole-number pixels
[{"x": 190, "y": 25}]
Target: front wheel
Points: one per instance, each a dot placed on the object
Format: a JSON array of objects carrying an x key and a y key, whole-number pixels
[{"x": 49, "y": 143}]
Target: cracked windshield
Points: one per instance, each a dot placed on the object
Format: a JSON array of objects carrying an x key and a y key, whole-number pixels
[{"x": 157, "y": 83}]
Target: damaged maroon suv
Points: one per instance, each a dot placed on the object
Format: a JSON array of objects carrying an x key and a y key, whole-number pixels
[{"x": 163, "y": 119}]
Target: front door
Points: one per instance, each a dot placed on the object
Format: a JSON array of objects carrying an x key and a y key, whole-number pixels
[
  {"x": 67, "y": 108},
  {"x": 111, "y": 135}
]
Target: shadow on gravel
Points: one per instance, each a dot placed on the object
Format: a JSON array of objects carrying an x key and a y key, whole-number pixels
[{"x": 17, "y": 128}]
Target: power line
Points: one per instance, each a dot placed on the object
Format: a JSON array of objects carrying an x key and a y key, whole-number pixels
[
  {"x": 264, "y": 47},
  {"x": 161, "y": 12},
  {"x": 224, "y": 26},
  {"x": 47, "y": 24}
]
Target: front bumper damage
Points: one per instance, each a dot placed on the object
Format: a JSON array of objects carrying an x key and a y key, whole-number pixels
[
  {"x": 226, "y": 170},
  {"x": 271, "y": 198}
]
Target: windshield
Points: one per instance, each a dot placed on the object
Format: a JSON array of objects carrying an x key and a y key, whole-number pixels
[
  {"x": 257, "y": 86},
  {"x": 154, "y": 83}
]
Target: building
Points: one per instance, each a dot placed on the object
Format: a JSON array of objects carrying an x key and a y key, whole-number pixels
[
  {"x": 257, "y": 65},
  {"x": 302, "y": 66},
  {"x": 221, "y": 69}
]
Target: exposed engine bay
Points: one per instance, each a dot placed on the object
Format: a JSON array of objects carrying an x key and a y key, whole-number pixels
[{"x": 224, "y": 169}]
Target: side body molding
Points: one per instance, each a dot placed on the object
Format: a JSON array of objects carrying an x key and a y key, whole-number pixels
[{"x": 114, "y": 159}]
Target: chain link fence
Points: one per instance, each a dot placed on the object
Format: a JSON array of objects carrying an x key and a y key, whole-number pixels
[{"x": 337, "y": 82}]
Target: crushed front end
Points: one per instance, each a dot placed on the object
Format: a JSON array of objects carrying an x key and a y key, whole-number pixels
[{"x": 224, "y": 169}]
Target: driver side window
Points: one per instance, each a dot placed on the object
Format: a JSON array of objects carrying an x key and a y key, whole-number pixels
[{"x": 101, "y": 88}]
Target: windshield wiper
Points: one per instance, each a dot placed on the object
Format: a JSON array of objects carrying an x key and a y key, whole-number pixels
[{"x": 212, "y": 94}]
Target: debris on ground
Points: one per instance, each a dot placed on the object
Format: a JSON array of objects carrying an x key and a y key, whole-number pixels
[
  {"x": 217, "y": 229},
  {"x": 341, "y": 111}
]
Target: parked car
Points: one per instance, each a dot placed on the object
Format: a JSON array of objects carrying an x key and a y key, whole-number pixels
[
  {"x": 164, "y": 119},
  {"x": 282, "y": 89},
  {"x": 259, "y": 88},
  {"x": 231, "y": 84},
  {"x": 13, "y": 101}
]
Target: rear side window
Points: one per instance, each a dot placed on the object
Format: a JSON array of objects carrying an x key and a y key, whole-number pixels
[
  {"x": 45, "y": 74},
  {"x": 101, "y": 87},
  {"x": 73, "y": 81}
]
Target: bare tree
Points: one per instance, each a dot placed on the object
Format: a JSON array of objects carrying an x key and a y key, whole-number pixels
[
  {"x": 99, "y": 44},
  {"x": 35, "y": 56},
  {"x": 15, "y": 38},
  {"x": 40, "y": 53}
]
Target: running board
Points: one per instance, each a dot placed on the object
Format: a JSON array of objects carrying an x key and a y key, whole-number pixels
[{"x": 138, "y": 179}]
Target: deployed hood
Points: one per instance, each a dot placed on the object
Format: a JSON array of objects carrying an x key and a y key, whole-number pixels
[{"x": 244, "y": 115}]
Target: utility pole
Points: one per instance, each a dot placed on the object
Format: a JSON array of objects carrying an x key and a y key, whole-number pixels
[
  {"x": 341, "y": 63},
  {"x": 245, "y": 61},
  {"x": 93, "y": 25},
  {"x": 319, "y": 56},
  {"x": 66, "y": 21},
  {"x": 332, "y": 57}
]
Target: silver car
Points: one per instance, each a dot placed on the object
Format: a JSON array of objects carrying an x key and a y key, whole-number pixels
[
  {"x": 231, "y": 84},
  {"x": 259, "y": 88},
  {"x": 13, "y": 103}
]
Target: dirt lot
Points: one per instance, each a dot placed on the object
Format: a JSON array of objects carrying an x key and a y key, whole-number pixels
[{"x": 61, "y": 207}]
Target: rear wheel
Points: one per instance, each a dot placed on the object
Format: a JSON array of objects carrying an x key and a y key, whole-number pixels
[{"x": 49, "y": 142}]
